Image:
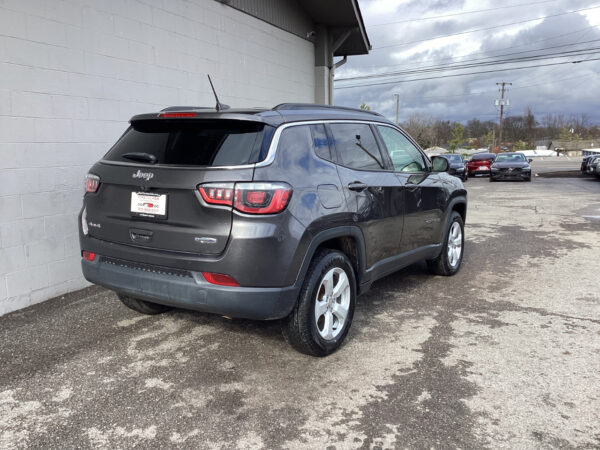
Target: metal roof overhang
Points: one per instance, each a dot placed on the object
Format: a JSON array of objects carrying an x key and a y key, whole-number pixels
[{"x": 340, "y": 16}]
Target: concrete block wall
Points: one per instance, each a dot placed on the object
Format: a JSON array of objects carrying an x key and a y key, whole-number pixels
[{"x": 72, "y": 72}]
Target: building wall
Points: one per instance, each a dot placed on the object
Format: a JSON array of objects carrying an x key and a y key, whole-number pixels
[{"x": 73, "y": 72}]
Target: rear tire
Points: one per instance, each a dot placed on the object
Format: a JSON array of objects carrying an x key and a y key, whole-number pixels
[
  {"x": 450, "y": 258},
  {"x": 142, "y": 306},
  {"x": 320, "y": 320}
]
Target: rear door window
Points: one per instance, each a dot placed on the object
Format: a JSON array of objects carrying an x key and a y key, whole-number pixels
[
  {"x": 356, "y": 147},
  {"x": 192, "y": 143}
]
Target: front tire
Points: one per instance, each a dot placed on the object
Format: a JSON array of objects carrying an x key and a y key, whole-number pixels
[
  {"x": 142, "y": 306},
  {"x": 323, "y": 314},
  {"x": 450, "y": 258}
]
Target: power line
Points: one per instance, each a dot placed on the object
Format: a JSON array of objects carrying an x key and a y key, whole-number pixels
[
  {"x": 496, "y": 49},
  {"x": 487, "y": 28},
  {"x": 488, "y": 92},
  {"x": 467, "y": 64},
  {"x": 463, "y": 74},
  {"x": 459, "y": 14}
]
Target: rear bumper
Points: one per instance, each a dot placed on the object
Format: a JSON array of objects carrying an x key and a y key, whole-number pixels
[{"x": 189, "y": 290}]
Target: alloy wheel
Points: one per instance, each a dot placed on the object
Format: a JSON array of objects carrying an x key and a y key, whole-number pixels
[
  {"x": 332, "y": 303},
  {"x": 454, "y": 244}
]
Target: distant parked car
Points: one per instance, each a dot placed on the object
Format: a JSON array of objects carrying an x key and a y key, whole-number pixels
[
  {"x": 593, "y": 166},
  {"x": 587, "y": 162},
  {"x": 480, "y": 163},
  {"x": 511, "y": 166},
  {"x": 458, "y": 167}
]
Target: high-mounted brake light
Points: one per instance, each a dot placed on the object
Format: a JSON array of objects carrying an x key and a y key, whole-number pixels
[
  {"x": 250, "y": 198},
  {"x": 178, "y": 114},
  {"x": 220, "y": 279},
  {"x": 92, "y": 182}
]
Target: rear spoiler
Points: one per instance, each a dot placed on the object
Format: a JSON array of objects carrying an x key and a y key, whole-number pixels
[{"x": 267, "y": 117}]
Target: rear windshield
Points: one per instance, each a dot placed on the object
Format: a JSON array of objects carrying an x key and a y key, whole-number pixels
[
  {"x": 483, "y": 156},
  {"x": 192, "y": 143}
]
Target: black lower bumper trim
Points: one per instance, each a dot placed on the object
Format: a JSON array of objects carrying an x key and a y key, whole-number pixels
[{"x": 191, "y": 292}]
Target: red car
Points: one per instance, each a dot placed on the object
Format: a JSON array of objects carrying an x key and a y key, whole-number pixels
[{"x": 480, "y": 163}]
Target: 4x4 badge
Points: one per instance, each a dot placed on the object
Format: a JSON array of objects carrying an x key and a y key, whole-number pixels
[{"x": 143, "y": 175}]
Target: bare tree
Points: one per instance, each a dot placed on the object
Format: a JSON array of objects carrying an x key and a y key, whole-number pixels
[{"x": 421, "y": 129}]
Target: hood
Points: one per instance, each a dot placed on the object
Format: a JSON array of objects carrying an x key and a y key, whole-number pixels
[
  {"x": 457, "y": 165},
  {"x": 509, "y": 164}
]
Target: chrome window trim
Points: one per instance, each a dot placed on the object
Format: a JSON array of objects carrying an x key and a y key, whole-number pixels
[
  {"x": 277, "y": 135},
  {"x": 272, "y": 147}
]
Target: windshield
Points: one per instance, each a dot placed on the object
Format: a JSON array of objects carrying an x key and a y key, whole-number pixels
[
  {"x": 515, "y": 157},
  {"x": 453, "y": 158}
]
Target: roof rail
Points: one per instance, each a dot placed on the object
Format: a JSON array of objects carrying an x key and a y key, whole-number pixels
[{"x": 300, "y": 106}]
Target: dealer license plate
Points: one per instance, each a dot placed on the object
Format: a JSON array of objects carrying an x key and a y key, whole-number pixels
[
  {"x": 149, "y": 205},
  {"x": 483, "y": 168}
]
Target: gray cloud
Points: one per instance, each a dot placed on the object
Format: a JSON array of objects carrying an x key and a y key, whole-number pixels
[{"x": 562, "y": 89}]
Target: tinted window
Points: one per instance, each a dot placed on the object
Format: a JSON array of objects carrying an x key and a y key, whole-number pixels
[
  {"x": 453, "y": 158},
  {"x": 481, "y": 156},
  {"x": 515, "y": 157},
  {"x": 404, "y": 155},
  {"x": 320, "y": 143},
  {"x": 294, "y": 144},
  {"x": 356, "y": 147},
  {"x": 195, "y": 143}
]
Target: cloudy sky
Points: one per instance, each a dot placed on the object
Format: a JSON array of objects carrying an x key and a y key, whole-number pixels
[{"x": 413, "y": 34}]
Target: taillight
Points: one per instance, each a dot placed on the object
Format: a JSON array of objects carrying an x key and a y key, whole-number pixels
[
  {"x": 220, "y": 279},
  {"x": 91, "y": 182},
  {"x": 88, "y": 256},
  {"x": 251, "y": 198},
  {"x": 261, "y": 198},
  {"x": 217, "y": 193}
]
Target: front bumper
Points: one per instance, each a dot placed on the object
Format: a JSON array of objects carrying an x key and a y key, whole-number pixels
[
  {"x": 479, "y": 171},
  {"x": 189, "y": 290},
  {"x": 457, "y": 173},
  {"x": 510, "y": 175}
]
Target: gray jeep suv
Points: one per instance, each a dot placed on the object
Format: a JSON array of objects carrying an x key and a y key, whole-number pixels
[{"x": 288, "y": 212}]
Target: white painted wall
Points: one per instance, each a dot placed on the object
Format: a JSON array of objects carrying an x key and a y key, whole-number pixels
[{"x": 71, "y": 75}]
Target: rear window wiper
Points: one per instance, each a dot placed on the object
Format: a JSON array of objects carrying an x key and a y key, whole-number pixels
[{"x": 141, "y": 156}]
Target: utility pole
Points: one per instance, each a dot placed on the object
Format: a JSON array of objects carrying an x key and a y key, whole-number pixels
[
  {"x": 501, "y": 103},
  {"x": 397, "y": 106}
]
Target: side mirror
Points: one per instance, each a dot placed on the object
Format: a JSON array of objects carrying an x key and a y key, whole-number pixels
[
  {"x": 440, "y": 164},
  {"x": 530, "y": 160}
]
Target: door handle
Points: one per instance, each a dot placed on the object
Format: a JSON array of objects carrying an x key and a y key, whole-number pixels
[{"x": 357, "y": 186}]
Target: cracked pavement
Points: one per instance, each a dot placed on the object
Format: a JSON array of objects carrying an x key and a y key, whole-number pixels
[{"x": 506, "y": 354}]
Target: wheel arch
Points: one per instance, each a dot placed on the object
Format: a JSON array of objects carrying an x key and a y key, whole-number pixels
[{"x": 347, "y": 239}]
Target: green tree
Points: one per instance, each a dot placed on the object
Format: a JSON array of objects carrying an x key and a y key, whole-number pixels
[
  {"x": 567, "y": 135},
  {"x": 489, "y": 139},
  {"x": 520, "y": 145},
  {"x": 457, "y": 137},
  {"x": 365, "y": 107}
]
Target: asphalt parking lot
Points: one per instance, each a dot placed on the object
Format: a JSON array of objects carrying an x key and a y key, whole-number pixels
[{"x": 506, "y": 354}]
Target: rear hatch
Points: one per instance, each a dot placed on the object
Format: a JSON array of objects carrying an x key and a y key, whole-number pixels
[{"x": 148, "y": 182}]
